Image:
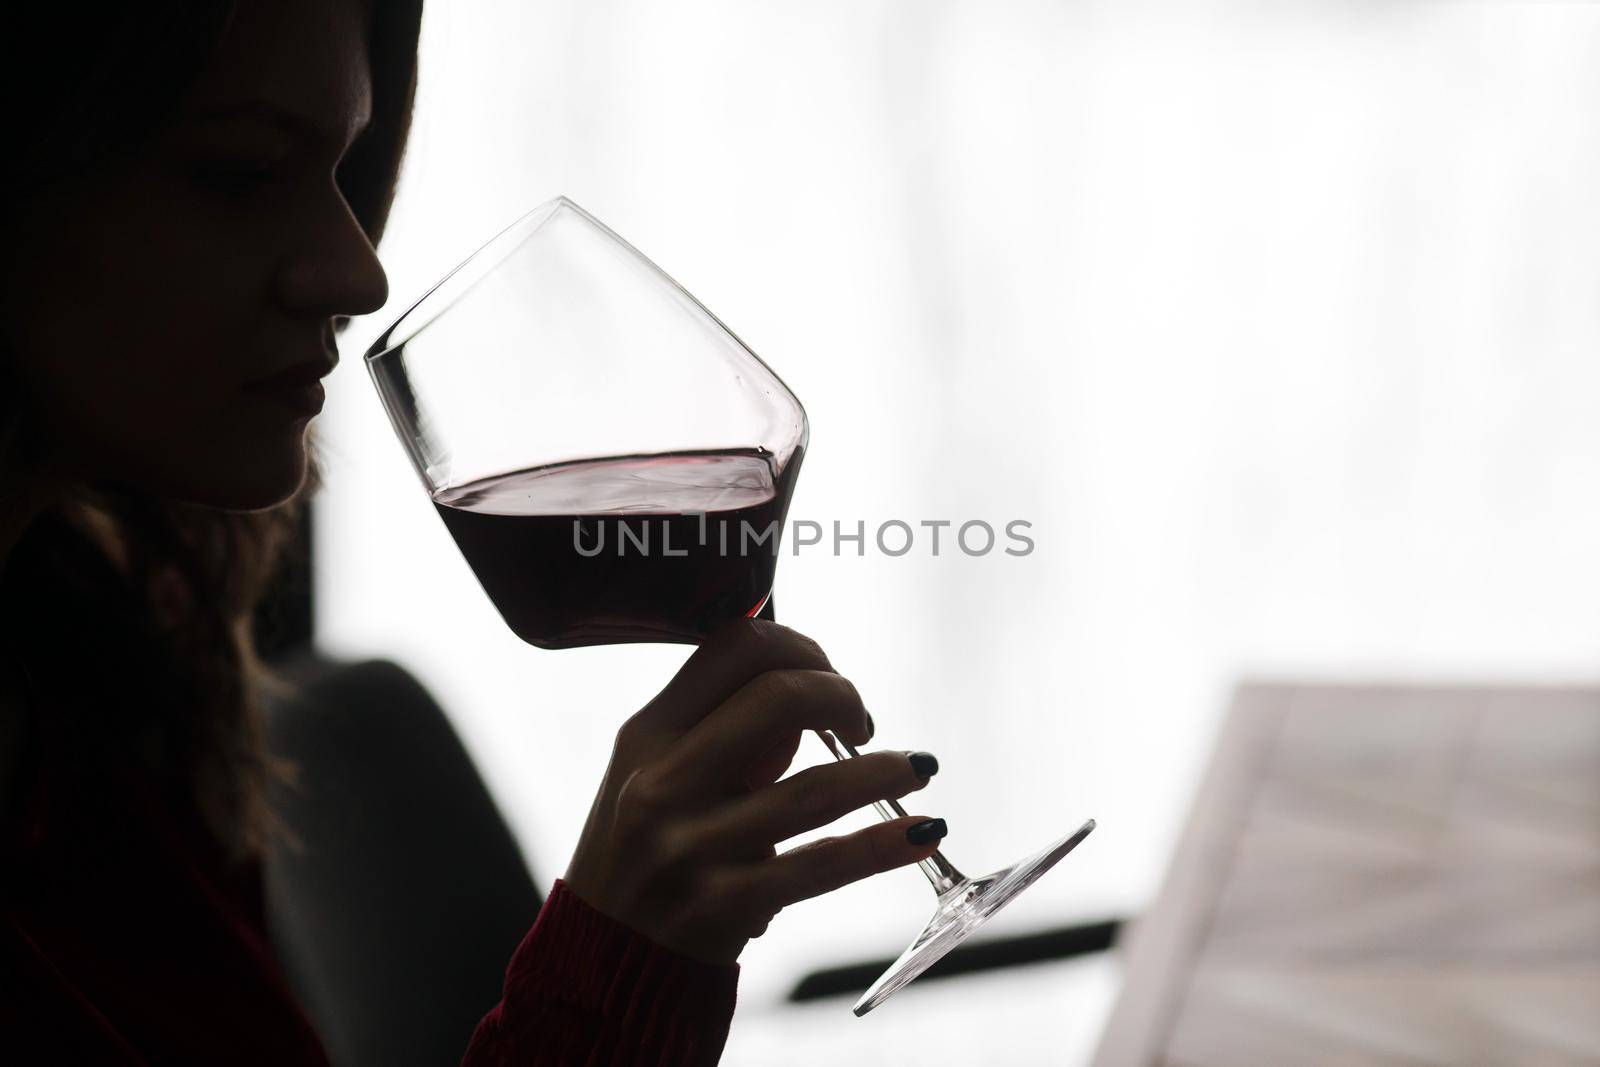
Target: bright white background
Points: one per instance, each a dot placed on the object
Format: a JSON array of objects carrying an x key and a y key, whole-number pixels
[{"x": 1278, "y": 320}]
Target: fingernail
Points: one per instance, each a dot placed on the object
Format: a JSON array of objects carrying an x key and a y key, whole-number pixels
[
  {"x": 871, "y": 729},
  {"x": 925, "y": 831},
  {"x": 924, "y": 765}
]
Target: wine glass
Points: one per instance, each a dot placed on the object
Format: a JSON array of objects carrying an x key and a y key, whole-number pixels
[{"x": 616, "y": 465}]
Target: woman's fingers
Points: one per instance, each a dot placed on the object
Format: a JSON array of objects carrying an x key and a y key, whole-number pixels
[
  {"x": 814, "y": 797},
  {"x": 680, "y": 840},
  {"x": 822, "y": 866},
  {"x": 724, "y": 747},
  {"x": 770, "y": 765},
  {"x": 723, "y": 664}
]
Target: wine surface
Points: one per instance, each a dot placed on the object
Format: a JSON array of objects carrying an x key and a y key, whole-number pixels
[{"x": 626, "y": 548}]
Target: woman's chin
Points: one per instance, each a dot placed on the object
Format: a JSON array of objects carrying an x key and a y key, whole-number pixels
[
  {"x": 265, "y": 479},
  {"x": 239, "y": 466},
  {"x": 268, "y": 490}
]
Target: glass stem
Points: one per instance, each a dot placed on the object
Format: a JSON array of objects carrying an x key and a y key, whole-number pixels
[{"x": 940, "y": 872}]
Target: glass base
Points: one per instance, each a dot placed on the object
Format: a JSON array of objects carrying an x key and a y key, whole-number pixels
[{"x": 963, "y": 908}]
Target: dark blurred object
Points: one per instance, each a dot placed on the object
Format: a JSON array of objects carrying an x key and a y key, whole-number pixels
[
  {"x": 1379, "y": 875},
  {"x": 1060, "y": 944},
  {"x": 396, "y": 917}
]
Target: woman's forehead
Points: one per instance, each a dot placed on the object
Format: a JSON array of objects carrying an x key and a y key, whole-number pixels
[{"x": 304, "y": 57}]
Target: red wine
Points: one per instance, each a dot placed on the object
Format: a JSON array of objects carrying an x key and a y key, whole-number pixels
[{"x": 627, "y": 548}]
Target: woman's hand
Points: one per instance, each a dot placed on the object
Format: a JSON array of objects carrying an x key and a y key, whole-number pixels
[{"x": 680, "y": 842}]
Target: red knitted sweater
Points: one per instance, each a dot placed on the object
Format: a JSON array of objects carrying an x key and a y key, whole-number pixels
[{"x": 123, "y": 941}]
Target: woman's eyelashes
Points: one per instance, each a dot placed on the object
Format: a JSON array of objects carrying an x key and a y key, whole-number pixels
[
  {"x": 237, "y": 178},
  {"x": 262, "y": 179},
  {"x": 240, "y": 167}
]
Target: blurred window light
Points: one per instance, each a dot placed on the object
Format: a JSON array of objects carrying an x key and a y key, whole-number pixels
[{"x": 1276, "y": 321}]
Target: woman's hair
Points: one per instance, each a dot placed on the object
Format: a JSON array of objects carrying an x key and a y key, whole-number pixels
[{"x": 133, "y": 613}]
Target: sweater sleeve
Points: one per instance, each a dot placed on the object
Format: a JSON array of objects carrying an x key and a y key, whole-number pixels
[{"x": 583, "y": 990}]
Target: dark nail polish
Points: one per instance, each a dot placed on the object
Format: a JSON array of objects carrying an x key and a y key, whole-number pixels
[
  {"x": 871, "y": 729},
  {"x": 925, "y": 831},
  {"x": 924, "y": 765}
]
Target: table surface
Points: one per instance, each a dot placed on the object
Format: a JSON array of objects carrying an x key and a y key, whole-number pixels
[{"x": 1379, "y": 875}]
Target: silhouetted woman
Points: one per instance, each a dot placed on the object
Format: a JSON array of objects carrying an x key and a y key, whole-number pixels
[{"x": 189, "y": 209}]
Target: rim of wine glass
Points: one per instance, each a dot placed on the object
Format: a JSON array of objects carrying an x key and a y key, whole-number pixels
[{"x": 465, "y": 276}]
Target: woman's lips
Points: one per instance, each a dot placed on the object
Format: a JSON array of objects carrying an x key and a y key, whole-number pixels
[
  {"x": 298, "y": 388},
  {"x": 301, "y": 398}
]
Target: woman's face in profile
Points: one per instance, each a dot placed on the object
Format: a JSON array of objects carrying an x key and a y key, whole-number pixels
[{"x": 149, "y": 299}]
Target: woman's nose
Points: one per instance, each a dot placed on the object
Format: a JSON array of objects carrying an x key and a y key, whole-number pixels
[{"x": 334, "y": 272}]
